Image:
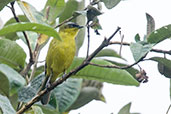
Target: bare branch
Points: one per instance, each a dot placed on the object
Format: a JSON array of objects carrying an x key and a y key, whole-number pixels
[
  {"x": 152, "y": 50},
  {"x": 115, "y": 66},
  {"x": 88, "y": 37},
  {"x": 31, "y": 60}
]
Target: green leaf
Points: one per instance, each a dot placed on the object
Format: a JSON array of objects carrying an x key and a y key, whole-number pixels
[
  {"x": 126, "y": 109},
  {"x": 81, "y": 21},
  {"x": 31, "y": 13},
  {"x": 13, "y": 100},
  {"x": 139, "y": 50},
  {"x": 137, "y": 37},
  {"x": 131, "y": 70},
  {"x": 87, "y": 94},
  {"x": 6, "y": 106},
  {"x": 92, "y": 13},
  {"x": 160, "y": 34},
  {"x": 164, "y": 61},
  {"x": 39, "y": 28},
  {"x": 150, "y": 24},
  {"x": 109, "y": 53},
  {"x": 16, "y": 81},
  {"x": 28, "y": 92},
  {"x": 71, "y": 6},
  {"x": 3, "y": 3},
  {"x": 114, "y": 76},
  {"x": 12, "y": 54},
  {"x": 13, "y": 36},
  {"x": 67, "y": 92},
  {"x": 110, "y": 3},
  {"x": 4, "y": 88},
  {"x": 164, "y": 70},
  {"x": 53, "y": 9},
  {"x": 164, "y": 66}
]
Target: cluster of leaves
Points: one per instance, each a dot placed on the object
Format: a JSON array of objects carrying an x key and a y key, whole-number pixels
[{"x": 76, "y": 91}]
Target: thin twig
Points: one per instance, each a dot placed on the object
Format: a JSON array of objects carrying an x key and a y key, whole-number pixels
[
  {"x": 67, "y": 20},
  {"x": 62, "y": 79},
  {"x": 31, "y": 61},
  {"x": 120, "y": 50},
  {"x": 168, "y": 109},
  {"x": 152, "y": 50},
  {"x": 88, "y": 39},
  {"x": 34, "y": 67},
  {"x": 115, "y": 66}
]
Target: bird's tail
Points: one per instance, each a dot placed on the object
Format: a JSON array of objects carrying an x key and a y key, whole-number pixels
[{"x": 46, "y": 97}]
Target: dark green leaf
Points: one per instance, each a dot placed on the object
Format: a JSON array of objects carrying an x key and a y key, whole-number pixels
[
  {"x": 126, "y": 109},
  {"x": 115, "y": 76},
  {"x": 13, "y": 36},
  {"x": 6, "y": 106},
  {"x": 164, "y": 61},
  {"x": 67, "y": 92},
  {"x": 160, "y": 34},
  {"x": 95, "y": 24},
  {"x": 16, "y": 81},
  {"x": 164, "y": 70},
  {"x": 53, "y": 9},
  {"x": 27, "y": 93},
  {"x": 139, "y": 51},
  {"x": 108, "y": 53},
  {"x": 5, "y": 87},
  {"x": 3, "y": 3},
  {"x": 150, "y": 24},
  {"x": 137, "y": 37},
  {"x": 110, "y": 3},
  {"x": 39, "y": 28},
  {"x": 92, "y": 13},
  {"x": 164, "y": 66},
  {"x": 13, "y": 100},
  {"x": 12, "y": 54}
]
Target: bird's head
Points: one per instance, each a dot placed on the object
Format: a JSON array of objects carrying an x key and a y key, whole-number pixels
[{"x": 70, "y": 27}]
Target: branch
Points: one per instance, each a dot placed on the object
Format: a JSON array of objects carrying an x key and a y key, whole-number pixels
[
  {"x": 88, "y": 37},
  {"x": 62, "y": 79},
  {"x": 152, "y": 50},
  {"x": 31, "y": 60},
  {"x": 115, "y": 66}
]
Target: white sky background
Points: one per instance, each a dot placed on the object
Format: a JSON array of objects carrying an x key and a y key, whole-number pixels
[{"x": 149, "y": 98}]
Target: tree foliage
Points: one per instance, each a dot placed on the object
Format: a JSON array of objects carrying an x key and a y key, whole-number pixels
[{"x": 21, "y": 80}]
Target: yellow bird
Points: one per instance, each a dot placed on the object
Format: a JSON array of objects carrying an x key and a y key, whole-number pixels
[{"x": 60, "y": 55}]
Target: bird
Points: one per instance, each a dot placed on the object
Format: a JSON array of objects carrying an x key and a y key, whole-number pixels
[{"x": 60, "y": 55}]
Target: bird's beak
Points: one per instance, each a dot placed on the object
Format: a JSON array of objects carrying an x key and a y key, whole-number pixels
[{"x": 80, "y": 27}]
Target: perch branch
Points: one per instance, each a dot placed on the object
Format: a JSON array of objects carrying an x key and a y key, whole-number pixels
[
  {"x": 62, "y": 79},
  {"x": 152, "y": 50}
]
